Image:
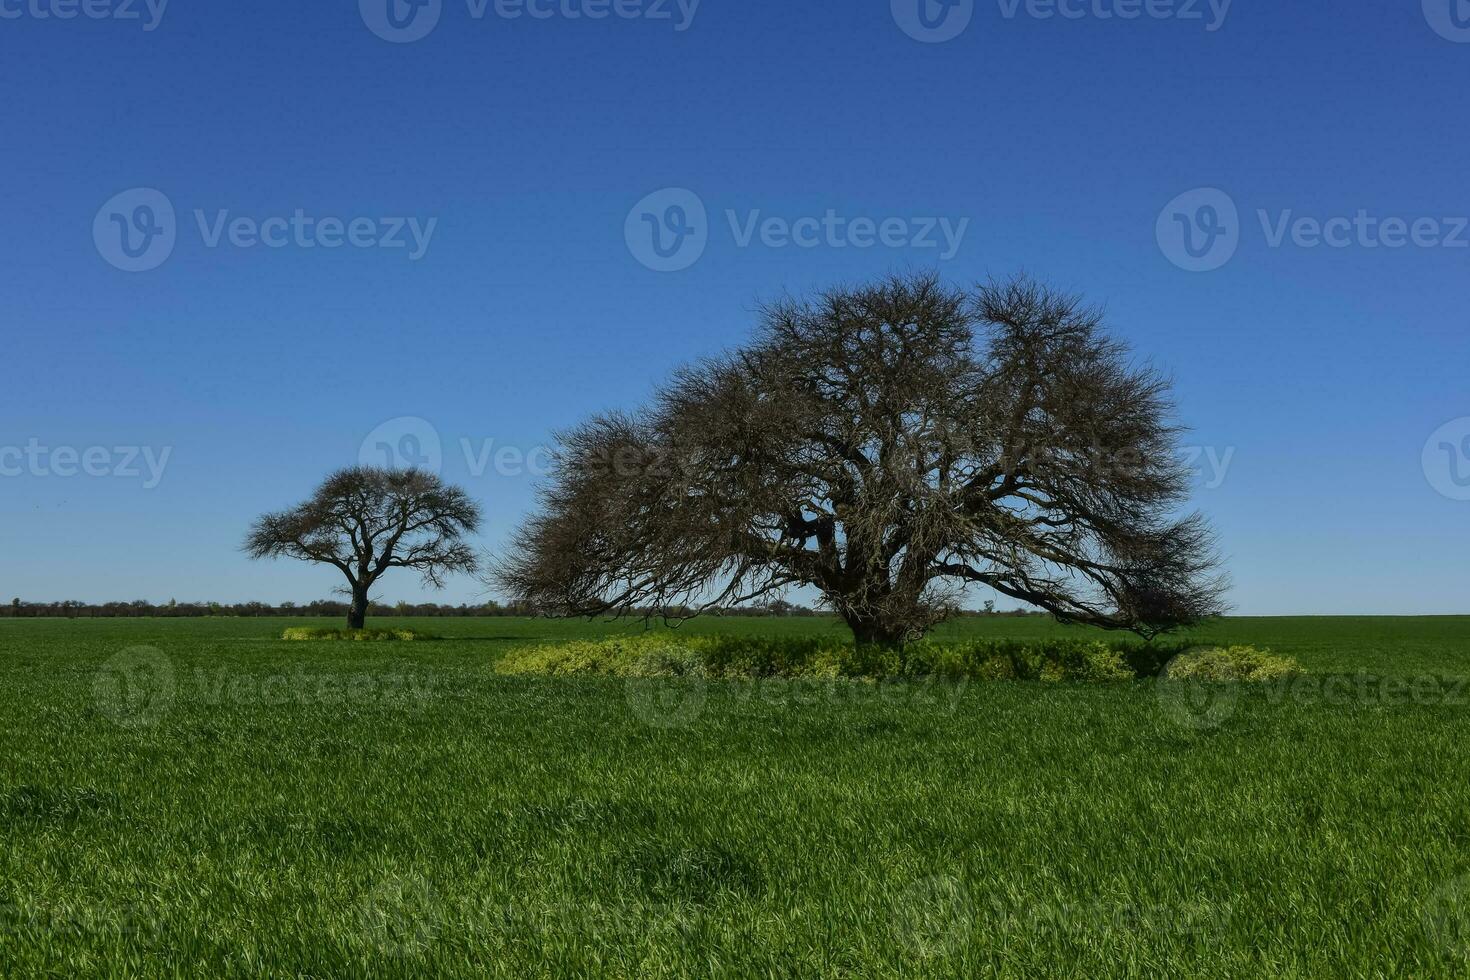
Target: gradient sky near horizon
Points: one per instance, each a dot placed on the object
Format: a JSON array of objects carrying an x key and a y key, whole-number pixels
[{"x": 1269, "y": 199}]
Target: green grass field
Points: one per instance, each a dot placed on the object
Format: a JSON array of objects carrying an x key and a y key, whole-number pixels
[{"x": 197, "y": 797}]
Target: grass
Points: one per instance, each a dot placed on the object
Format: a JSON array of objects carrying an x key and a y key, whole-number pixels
[{"x": 199, "y": 797}]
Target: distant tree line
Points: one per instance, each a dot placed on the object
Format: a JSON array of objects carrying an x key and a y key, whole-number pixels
[
  {"x": 139, "y": 608},
  {"x": 18, "y": 609}
]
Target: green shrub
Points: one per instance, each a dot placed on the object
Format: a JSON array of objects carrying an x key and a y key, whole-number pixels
[
  {"x": 746, "y": 657},
  {"x": 380, "y": 635},
  {"x": 1151, "y": 659},
  {"x": 665, "y": 660},
  {"x": 1093, "y": 663},
  {"x": 659, "y": 654},
  {"x": 642, "y": 655},
  {"x": 1090, "y": 661},
  {"x": 1232, "y": 664}
]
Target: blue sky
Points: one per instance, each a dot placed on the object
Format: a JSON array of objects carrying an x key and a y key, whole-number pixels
[{"x": 1326, "y": 379}]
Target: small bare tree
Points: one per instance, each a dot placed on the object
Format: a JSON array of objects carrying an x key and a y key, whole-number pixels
[
  {"x": 888, "y": 445},
  {"x": 367, "y": 520}
]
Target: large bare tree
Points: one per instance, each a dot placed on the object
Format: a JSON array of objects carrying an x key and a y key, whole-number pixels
[
  {"x": 366, "y": 520},
  {"x": 888, "y": 445}
]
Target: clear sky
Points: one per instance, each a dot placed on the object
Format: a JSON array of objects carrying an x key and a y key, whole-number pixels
[{"x": 498, "y": 287}]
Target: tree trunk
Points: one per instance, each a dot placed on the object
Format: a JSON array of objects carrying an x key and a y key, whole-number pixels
[
  {"x": 357, "y": 615},
  {"x": 872, "y": 632}
]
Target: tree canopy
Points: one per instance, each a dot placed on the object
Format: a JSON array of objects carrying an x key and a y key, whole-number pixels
[
  {"x": 366, "y": 520},
  {"x": 888, "y": 445}
]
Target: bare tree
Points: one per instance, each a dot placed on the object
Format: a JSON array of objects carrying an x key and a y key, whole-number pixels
[
  {"x": 888, "y": 445},
  {"x": 367, "y": 520}
]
